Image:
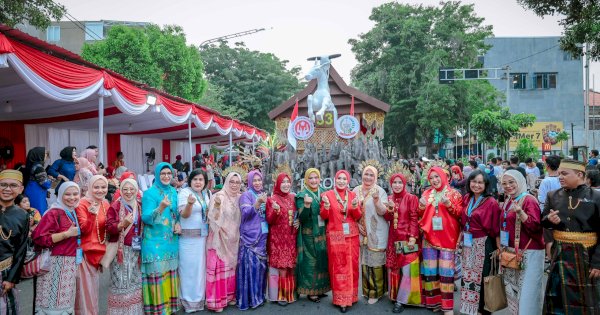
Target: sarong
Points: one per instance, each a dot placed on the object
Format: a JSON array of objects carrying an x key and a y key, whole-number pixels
[
  {"x": 523, "y": 286},
  {"x": 405, "y": 284},
  {"x": 55, "y": 293},
  {"x": 220, "y": 282},
  {"x": 161, "y": 292},
  {"x": 8, "y": 301},
  {"x": 437, "y": 273},
  {"x": 343, "y": 255},
  {"x": 251, "y": 279},
  {"x": 125, "y": 291},
  {"x": 281, "y": 288},
  {"x": 373, "y": 281},
  {"x": 570, "y": 289},
  {"x": 311, "y": 269},
  {"x": 476, "y": 265},
  {"x": 88, "y": 284},
  {"x": 192, "y": 270}
]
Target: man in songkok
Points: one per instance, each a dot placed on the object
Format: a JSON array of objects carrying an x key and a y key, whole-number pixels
[
  {"x": 573, "y": 214},
  {"x": 14, "y": 231}
]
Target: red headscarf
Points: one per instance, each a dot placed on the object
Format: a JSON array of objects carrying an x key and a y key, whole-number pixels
[
  {"x": 126, "y": 175},
  {"x": 403, "y": 179},
  {"x": 110, "y": 172},
  {"x": 342, "y": 192},
  {"x": 456, "y": 169},
  {"x": 277, "y": 188},
  {"x": 441, "y": 174}
]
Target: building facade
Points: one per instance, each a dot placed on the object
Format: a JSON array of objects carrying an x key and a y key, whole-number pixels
[
  {"x": 545, "y": 81},
  {"x": 71, "y": 35}
]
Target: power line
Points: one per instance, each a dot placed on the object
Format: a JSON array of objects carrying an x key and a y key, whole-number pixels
[
  {"x": 534, "y": 54},
  {"x": 80, "y": 25}
]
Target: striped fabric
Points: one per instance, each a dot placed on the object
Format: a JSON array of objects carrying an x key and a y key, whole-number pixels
[
  {"x": 282, "y": 287},
  {"x": 373, "y": 281},
  {"x": 161, "y": 293},
  {"x": 405, "y": 284},
  {"x": 437, "y": 273},
  {"x": 220, "y": 282}
]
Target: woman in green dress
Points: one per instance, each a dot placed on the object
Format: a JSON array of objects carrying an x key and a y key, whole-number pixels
[{"x": 311, "y": 270}]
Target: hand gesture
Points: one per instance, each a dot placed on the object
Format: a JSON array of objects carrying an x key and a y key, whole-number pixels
[
  {"x": 63, "y": 178},
  {"x": 553, "y": 217},
  {"x": 376, "y": 196},
  {"x": 165, "y": 203},
  {"x": 296, "y": 224},
  {"x": 326, "y": 202},
  {"x": 262, "y": 198},
  {"x": 594, "y": 273},
  {"x": 362, "y": 230},
  {"x": 6, "y": 286},
  {"x": 128, "y": 219},
  {"x": 72, "y": 231},
  {"x": 412, "y": 241},
  {"x": 354, "y": 202},
  {"x": 217, "y": 201},
  {"x": 191, "y": 199},
  {"x": 445, "y": 201},
  {"x": 422, "y": 202},
  {"x": 275, "y": 206},
  {"x": 177, "y": 229},
  {"x": 307, "y": 200},
  {"x": 390, "y": 206}
]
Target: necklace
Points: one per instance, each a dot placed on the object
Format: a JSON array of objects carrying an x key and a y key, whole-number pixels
[
  {"x": 571, "y": 206},
  {"x": 98, "y": 227},
  {"x": 2, "y": 234}
]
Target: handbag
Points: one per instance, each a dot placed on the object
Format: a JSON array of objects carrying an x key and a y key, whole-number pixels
[
  {"x": 37, "y": 266},
  {"x": 494, "y": 294}
]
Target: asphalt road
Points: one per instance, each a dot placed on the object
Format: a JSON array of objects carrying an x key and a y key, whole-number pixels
[{"x": 300, "y": 307}]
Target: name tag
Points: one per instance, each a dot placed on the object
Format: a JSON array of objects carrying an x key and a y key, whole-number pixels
[
  {"x": 467, "y": 239},
  {"x": 136, "y": 243},
  {"x": 264, "y": 227},
  {"x": 346, "y": 227},
  {"x": 320, "y": 220},
  {"x": 504, "y": 238},
  {"x": 204, "y": 229},
  {"x": 436, "y": 222},
  {"x": 78, "y": 256}
]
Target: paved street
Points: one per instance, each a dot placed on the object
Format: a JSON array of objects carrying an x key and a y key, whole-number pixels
[{"x": 300, "y": 307}]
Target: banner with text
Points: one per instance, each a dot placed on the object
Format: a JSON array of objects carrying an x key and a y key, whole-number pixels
[{"x": 539, "y": 133}]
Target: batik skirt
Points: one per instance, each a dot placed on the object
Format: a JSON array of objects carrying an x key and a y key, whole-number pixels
[
  {"x": 476, "y": 264},
  {"x": 125, "y": 291},
  {"x": 251, "y": 279},
  {"x": 523, "y": 286},
  {"x": 55, "y": 293}
]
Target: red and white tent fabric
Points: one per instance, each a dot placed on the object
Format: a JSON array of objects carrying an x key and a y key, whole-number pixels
[{"x": 43, "y": 84}]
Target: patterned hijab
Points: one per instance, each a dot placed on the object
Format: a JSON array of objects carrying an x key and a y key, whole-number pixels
[{"x": 307, "y": 175}]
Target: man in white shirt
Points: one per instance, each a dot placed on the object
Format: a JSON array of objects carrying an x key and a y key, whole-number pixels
[{"x": 548, "y": 184}]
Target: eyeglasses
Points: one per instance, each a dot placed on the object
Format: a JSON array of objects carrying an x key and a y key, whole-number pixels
[
  {"x": 12, "y": 186},
  {"x": 234, "y": 183},
  {"x": 127, "y": 190},
  {"x": 166, "y": 174}
]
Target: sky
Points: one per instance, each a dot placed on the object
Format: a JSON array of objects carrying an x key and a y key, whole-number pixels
[{"x": 297, "y": 30}]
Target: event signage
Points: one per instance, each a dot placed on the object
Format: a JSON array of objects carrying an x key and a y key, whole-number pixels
[
  {"x": 303, "y": 128},
  {"x": 539, "y": 133},
  {"x": 347, "y": 127}
]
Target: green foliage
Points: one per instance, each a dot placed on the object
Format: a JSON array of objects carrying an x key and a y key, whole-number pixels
[
  {"x": 399, "y": 59},
  {"x": 154, "y": 56},
  {"x": 526, "y": 149},
  {"x": 252, "y": 82},
  {"x": 562, "y": 136},
  {"x": 580, "y": 19},
  {"x": 496, "y": 126},
  {"x": 213, "y": 98},
  {"x": 491, "y": 155},
  {"x": 38, "y": 13}
]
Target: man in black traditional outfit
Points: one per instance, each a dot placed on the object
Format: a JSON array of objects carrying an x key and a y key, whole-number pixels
[{"x": 573, "y": 214}]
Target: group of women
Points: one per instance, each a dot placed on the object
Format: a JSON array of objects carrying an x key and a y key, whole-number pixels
[{"x": 195, "y": 249}]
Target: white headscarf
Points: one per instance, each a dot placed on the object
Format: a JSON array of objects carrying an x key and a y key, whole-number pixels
[
  {"x": 518, "y": 177},
  {"x": 61, "y": 192}
]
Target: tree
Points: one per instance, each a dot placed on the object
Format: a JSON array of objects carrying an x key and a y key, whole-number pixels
[
  {"x": 154, "y": 56},
  {"x": 38, "y": 13},
  {"x": 399, "y": 59},
  {"x": 253, "y": 82},
  {"x": 581, "y": 22},
  {"x": 526, "y": 149},
  {"x": 496, "y": 126}
]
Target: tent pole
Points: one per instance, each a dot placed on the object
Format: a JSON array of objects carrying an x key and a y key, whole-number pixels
[
  {"x": 190, "y": 141},
  {"x": 101, "y": 128},
  {"x": 230, "y": 148}
]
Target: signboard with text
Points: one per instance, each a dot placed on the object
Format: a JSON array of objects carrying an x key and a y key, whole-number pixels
[{"x": 540, "y": 133}]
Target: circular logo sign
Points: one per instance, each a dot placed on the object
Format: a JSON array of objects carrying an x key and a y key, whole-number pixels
[
  {"x": 347, "y": 127},
  {"x": 303, "y": 128}
]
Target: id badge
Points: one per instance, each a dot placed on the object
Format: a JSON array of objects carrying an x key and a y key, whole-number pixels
[
  {"x": 264, "y": 227},
  {"x": 467, "y": 239},
  {"x": 437, "y": 223},
  {"x": 204, "y": 229},
  {"x": 320, "y": 220},
  {"x": 136, "y": 243},
  {"x": 346, "y": 227},
  {"x": 78, "y": 256},
  {"x": 504, "y": 238}
]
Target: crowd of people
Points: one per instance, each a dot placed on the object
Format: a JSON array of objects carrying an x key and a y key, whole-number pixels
[{"x": 191, "y": 243}]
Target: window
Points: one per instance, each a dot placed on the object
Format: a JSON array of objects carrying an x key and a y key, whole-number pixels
[
  {"x": 544, "y": 80},
  {"x": 567, "y": 56},
  {"x": 519, "y": 81},
  {"x": 94, "y": 31},
  {"x": 53, "y": 33}
]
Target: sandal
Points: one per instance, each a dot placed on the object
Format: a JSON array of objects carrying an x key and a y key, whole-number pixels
[{"x": 314, "y": 298}]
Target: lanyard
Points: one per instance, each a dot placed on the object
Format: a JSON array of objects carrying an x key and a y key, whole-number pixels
[
  {"x": 202, "y": 201},
  {"x": 135, "y": 219},
  {"x": 436, "y": 199},
  {"x": 317, "y": 196},
  {"x": 261, "y": 208},
  {"x": 344, "y": 203},
  {"x": 470, "y": 209},
  {"x": 73, "y": 219},
  {"x": 506, "y": 208}
]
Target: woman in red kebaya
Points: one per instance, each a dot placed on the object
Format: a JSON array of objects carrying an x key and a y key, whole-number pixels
[
  {"x": 339, "y": 207},
  {"x": 281, "y": 245},
  {"x": 440, "y": 209},
  {"x": 403, "y": 268}
]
